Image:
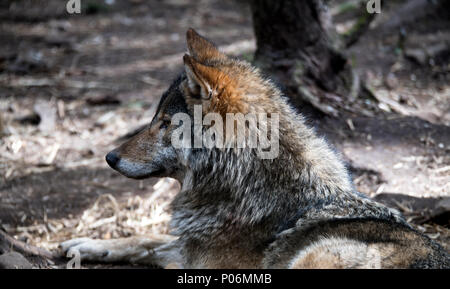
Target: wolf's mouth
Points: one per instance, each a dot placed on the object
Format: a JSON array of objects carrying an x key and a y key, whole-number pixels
[
  {"x": 144, "y": 175},
  {"x": 158, "y": 173}
]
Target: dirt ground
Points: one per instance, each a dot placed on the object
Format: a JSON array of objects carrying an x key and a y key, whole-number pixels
[{"x": 71, "y": 85}]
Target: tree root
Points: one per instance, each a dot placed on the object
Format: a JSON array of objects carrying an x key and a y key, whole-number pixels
[{"x": 37, "y": 256}]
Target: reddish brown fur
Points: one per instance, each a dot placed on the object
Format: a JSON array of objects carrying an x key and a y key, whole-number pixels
[
  {"x": 201, "y": 49},
  {"x": 223, "y": 92}
]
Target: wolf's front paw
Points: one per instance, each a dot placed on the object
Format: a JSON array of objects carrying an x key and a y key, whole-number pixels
[{"x": 87, "y": 249}]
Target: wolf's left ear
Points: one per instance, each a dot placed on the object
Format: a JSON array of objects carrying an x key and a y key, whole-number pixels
[
  {"x": 206, "y": 81},
  {"x": 202, "y": 49}
]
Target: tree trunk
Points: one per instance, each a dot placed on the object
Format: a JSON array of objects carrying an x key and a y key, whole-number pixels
[{"x": 297, "y": 45}]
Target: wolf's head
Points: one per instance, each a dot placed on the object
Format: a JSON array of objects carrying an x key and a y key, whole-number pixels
[{"x": 220, "y": 84}]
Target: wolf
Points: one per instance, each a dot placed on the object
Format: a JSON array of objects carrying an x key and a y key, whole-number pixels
[{"x": 238, "y": 210}]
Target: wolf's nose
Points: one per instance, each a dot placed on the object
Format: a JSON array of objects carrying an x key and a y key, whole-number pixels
[{"x": 112, "y": 158}]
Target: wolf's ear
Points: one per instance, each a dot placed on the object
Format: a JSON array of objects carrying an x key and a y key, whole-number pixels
[
  {"x": 205, "y": 81},
  {"x": 202, "y": 49}
]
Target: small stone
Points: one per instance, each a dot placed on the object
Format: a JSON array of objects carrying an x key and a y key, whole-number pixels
[
  {"x": 417, "y": 55},
  {"x": 14, "y": 260}
]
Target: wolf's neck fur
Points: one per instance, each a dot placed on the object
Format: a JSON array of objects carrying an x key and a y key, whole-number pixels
[{"x": 229, "y": 192}]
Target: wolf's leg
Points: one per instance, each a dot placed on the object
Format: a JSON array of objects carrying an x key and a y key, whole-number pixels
[
  {"x": 159, "y": 250},
  {"x": 166, "y": 256}
]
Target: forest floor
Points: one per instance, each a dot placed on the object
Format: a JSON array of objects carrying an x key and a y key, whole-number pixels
[{"x": 71, "y": 85}]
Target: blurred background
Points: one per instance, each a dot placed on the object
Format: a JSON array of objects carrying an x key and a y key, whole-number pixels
[{"x": 72, "y": 86}]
